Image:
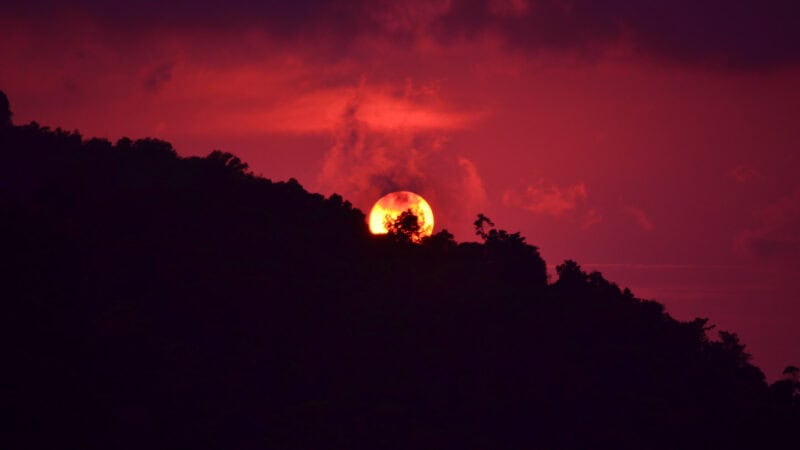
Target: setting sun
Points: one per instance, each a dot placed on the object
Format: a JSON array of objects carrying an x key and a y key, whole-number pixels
[{"x": 390, "y": 206}]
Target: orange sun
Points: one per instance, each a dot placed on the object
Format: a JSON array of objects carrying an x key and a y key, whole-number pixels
[{"x": 390, "y": 206}]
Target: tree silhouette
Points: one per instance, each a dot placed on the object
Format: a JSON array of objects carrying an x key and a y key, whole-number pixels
[
  {"x": 442, "y": 240},
  {"x": 405, "y": 227},
  {"x": 512, "y": 257},
  {"x": 228, "y": 161},
  {"x": 570, "y": 273},
  {"x": 786, "y": 392},
  {"x": 5, "y": 110},
  {"x": 480, "y": 223}
]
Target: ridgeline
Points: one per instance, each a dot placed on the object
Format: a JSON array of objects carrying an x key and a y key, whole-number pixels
[{"x": 154, "y": 301}]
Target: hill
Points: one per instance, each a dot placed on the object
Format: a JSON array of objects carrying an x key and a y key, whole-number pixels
[{"x": 154, "y": 301}]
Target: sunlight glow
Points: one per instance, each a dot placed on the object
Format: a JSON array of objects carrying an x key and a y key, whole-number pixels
[{"x": 390, "y": 206}]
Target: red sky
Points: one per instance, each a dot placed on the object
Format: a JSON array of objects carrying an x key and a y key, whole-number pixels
[{"x": 655, "y": 141}]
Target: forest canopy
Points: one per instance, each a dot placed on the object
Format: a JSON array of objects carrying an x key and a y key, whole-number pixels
[{"x": 159, "y": 301}]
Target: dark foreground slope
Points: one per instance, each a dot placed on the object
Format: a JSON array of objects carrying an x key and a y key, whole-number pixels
[{"x": 152, "y": 301}]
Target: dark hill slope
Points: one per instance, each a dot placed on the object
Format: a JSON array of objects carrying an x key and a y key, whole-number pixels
[{"x": 152, "y": 301}]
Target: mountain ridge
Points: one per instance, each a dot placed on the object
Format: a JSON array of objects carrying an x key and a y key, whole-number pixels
[{"x": 167, "y": 302}]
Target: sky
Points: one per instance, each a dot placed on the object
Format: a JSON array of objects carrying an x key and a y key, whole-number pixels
[{"x": 656, "y": 142}]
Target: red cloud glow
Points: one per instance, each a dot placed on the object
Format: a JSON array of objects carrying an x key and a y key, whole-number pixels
[{"x": 542, "y": 199}]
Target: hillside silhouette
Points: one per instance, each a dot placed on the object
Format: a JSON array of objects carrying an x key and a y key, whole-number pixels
[{"x": 155, "y": 301}]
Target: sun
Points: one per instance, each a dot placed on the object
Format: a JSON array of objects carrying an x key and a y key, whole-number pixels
[{"x": 390, "y": 206}]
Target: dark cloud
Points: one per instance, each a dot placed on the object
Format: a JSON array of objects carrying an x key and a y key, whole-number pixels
[
  {"x": 773, "y": 248},
  {"x": 158, "y": 76},
  {"x": 743, "y": 34},
  {"x": 277, "y": 17},
  {"x": 746, "y": 34}
]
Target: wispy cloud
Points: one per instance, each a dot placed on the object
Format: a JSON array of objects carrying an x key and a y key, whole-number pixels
[
  {"x": 320, "y": 111},
  {"x": 550, "y": 199},
  {"x": 473, "y": 187},
  {"x": 592, "y": 218},
  {"x": 640, "y": 217},
  {"x": 743, "y": 173}
]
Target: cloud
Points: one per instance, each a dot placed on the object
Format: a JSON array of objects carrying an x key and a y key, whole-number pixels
[
  {"x": 744, "y": 174},
  {"x": 509, "y": 8},
  {"x": 278, "y": 92},
  {"x": 640, "y": 217},
  {"x": 472, "y": 182},
  {"x": 542, "y": 199},
  {"x": 746, "y": 34},
  {"x": 278, "y": 17},
  {"x": 369, "y": 160},
  {"x": 592, "y": 218},
  {"x": 158, "y": 76},
  {"x": 364, "y": 165},
  {"x": 411, "y": 17},
  {"x": 776, "y": 234},
  {"x": 258, "y": 102}
]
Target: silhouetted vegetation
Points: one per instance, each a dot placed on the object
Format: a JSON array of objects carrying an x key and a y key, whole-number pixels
[
  {"x": 154, "y": 301},
  {"x": 5, "y": 110},
  {"x": 405, "y": 228}
]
